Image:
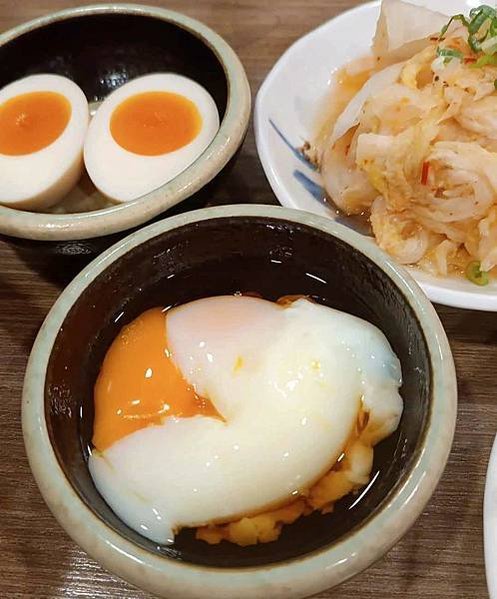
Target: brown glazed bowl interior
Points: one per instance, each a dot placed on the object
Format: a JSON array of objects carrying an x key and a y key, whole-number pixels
[
  {"x": 100, "y": 51},
  {"x": 273, "y": 257}
]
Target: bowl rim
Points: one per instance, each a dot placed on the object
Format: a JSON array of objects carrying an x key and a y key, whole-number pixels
[
  {"x": 298, "y": 577},
  {"x": 119, "y": 217}
]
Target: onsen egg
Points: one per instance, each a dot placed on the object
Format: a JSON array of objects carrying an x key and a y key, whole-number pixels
[
  {"x": 228, "y": 406},
  {"x": 147, "y": 132},
  {"x": 43, "y": 123}
]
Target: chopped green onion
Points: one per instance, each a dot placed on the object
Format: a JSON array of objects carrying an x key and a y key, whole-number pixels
[
  {"x": 489, "y": 46},
  {"x": 476, "y": 275},
  {"x": 482, "y": 37},
  {"x": 461, "y": 18},
  {"x": 485, "y": 60},
  {"x": 474, "y": 12},
  {"x": 448, "y": 54},
  {"x": 474, "y": 44},
  {"x": 479, "y": 16}
]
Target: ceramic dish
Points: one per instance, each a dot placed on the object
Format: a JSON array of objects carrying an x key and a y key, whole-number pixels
[
  {"x": 490, "y": 524},
  {"x": 101, "y": 47},
  {"x": 285, "y": 115},
  {"x": 274, "y": 251}
]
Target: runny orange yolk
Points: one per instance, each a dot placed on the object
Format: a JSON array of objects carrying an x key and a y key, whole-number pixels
[
  {"x": 140, "y": 385},
  {"x": 154, "y": 123},
  {"x": 30, "y": 122}
]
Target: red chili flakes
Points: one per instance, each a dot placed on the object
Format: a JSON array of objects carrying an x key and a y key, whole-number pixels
[{"x": 424, "y": 173}]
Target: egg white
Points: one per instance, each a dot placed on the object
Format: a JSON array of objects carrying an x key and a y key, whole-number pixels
[
  {"x": 290, "y": 383},
  {"x": 122, "y": 175},
  {"x": 41, "y": 179}
]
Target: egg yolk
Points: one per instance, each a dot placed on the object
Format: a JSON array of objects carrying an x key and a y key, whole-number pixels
[
  {"x": 30, "y": 122},
  {"x": 140, "y": 385},
  {"x": 154, "y": 123}
]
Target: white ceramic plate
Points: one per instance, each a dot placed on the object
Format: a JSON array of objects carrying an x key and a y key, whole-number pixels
[
  {"x": 490, "y": 524},
  {"x": 285, "y": 114}
]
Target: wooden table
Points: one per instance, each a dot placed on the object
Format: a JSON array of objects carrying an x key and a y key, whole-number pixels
[{"x": 442, "y": 556}]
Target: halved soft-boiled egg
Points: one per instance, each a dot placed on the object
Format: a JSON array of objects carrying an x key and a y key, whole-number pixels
[
  {"x": 227, "y": 407},
  {"x": 43, "y": 123},
  {"x": 147, "y": 132}
]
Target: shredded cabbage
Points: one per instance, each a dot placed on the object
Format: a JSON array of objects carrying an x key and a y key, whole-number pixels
[{"x": 416, "y": 149}]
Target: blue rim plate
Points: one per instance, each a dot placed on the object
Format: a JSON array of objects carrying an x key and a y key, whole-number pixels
[{"x": 286, "y": 110}]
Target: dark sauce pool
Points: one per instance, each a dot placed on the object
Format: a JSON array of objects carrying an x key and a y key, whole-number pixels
[{"x": 226, "y": 256}]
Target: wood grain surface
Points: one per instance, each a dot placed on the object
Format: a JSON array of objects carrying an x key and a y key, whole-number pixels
[{"x": 442, "y": 556}]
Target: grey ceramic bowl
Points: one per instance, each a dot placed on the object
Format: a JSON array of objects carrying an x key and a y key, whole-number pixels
[
  {"x": 275, "y": 252},
  {"x": 101, "y": 47}
]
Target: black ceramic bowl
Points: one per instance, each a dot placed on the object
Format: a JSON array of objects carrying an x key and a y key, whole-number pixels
[
  {"x": 100, "y": 48},
  {"x": 275, "y": 252}
]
